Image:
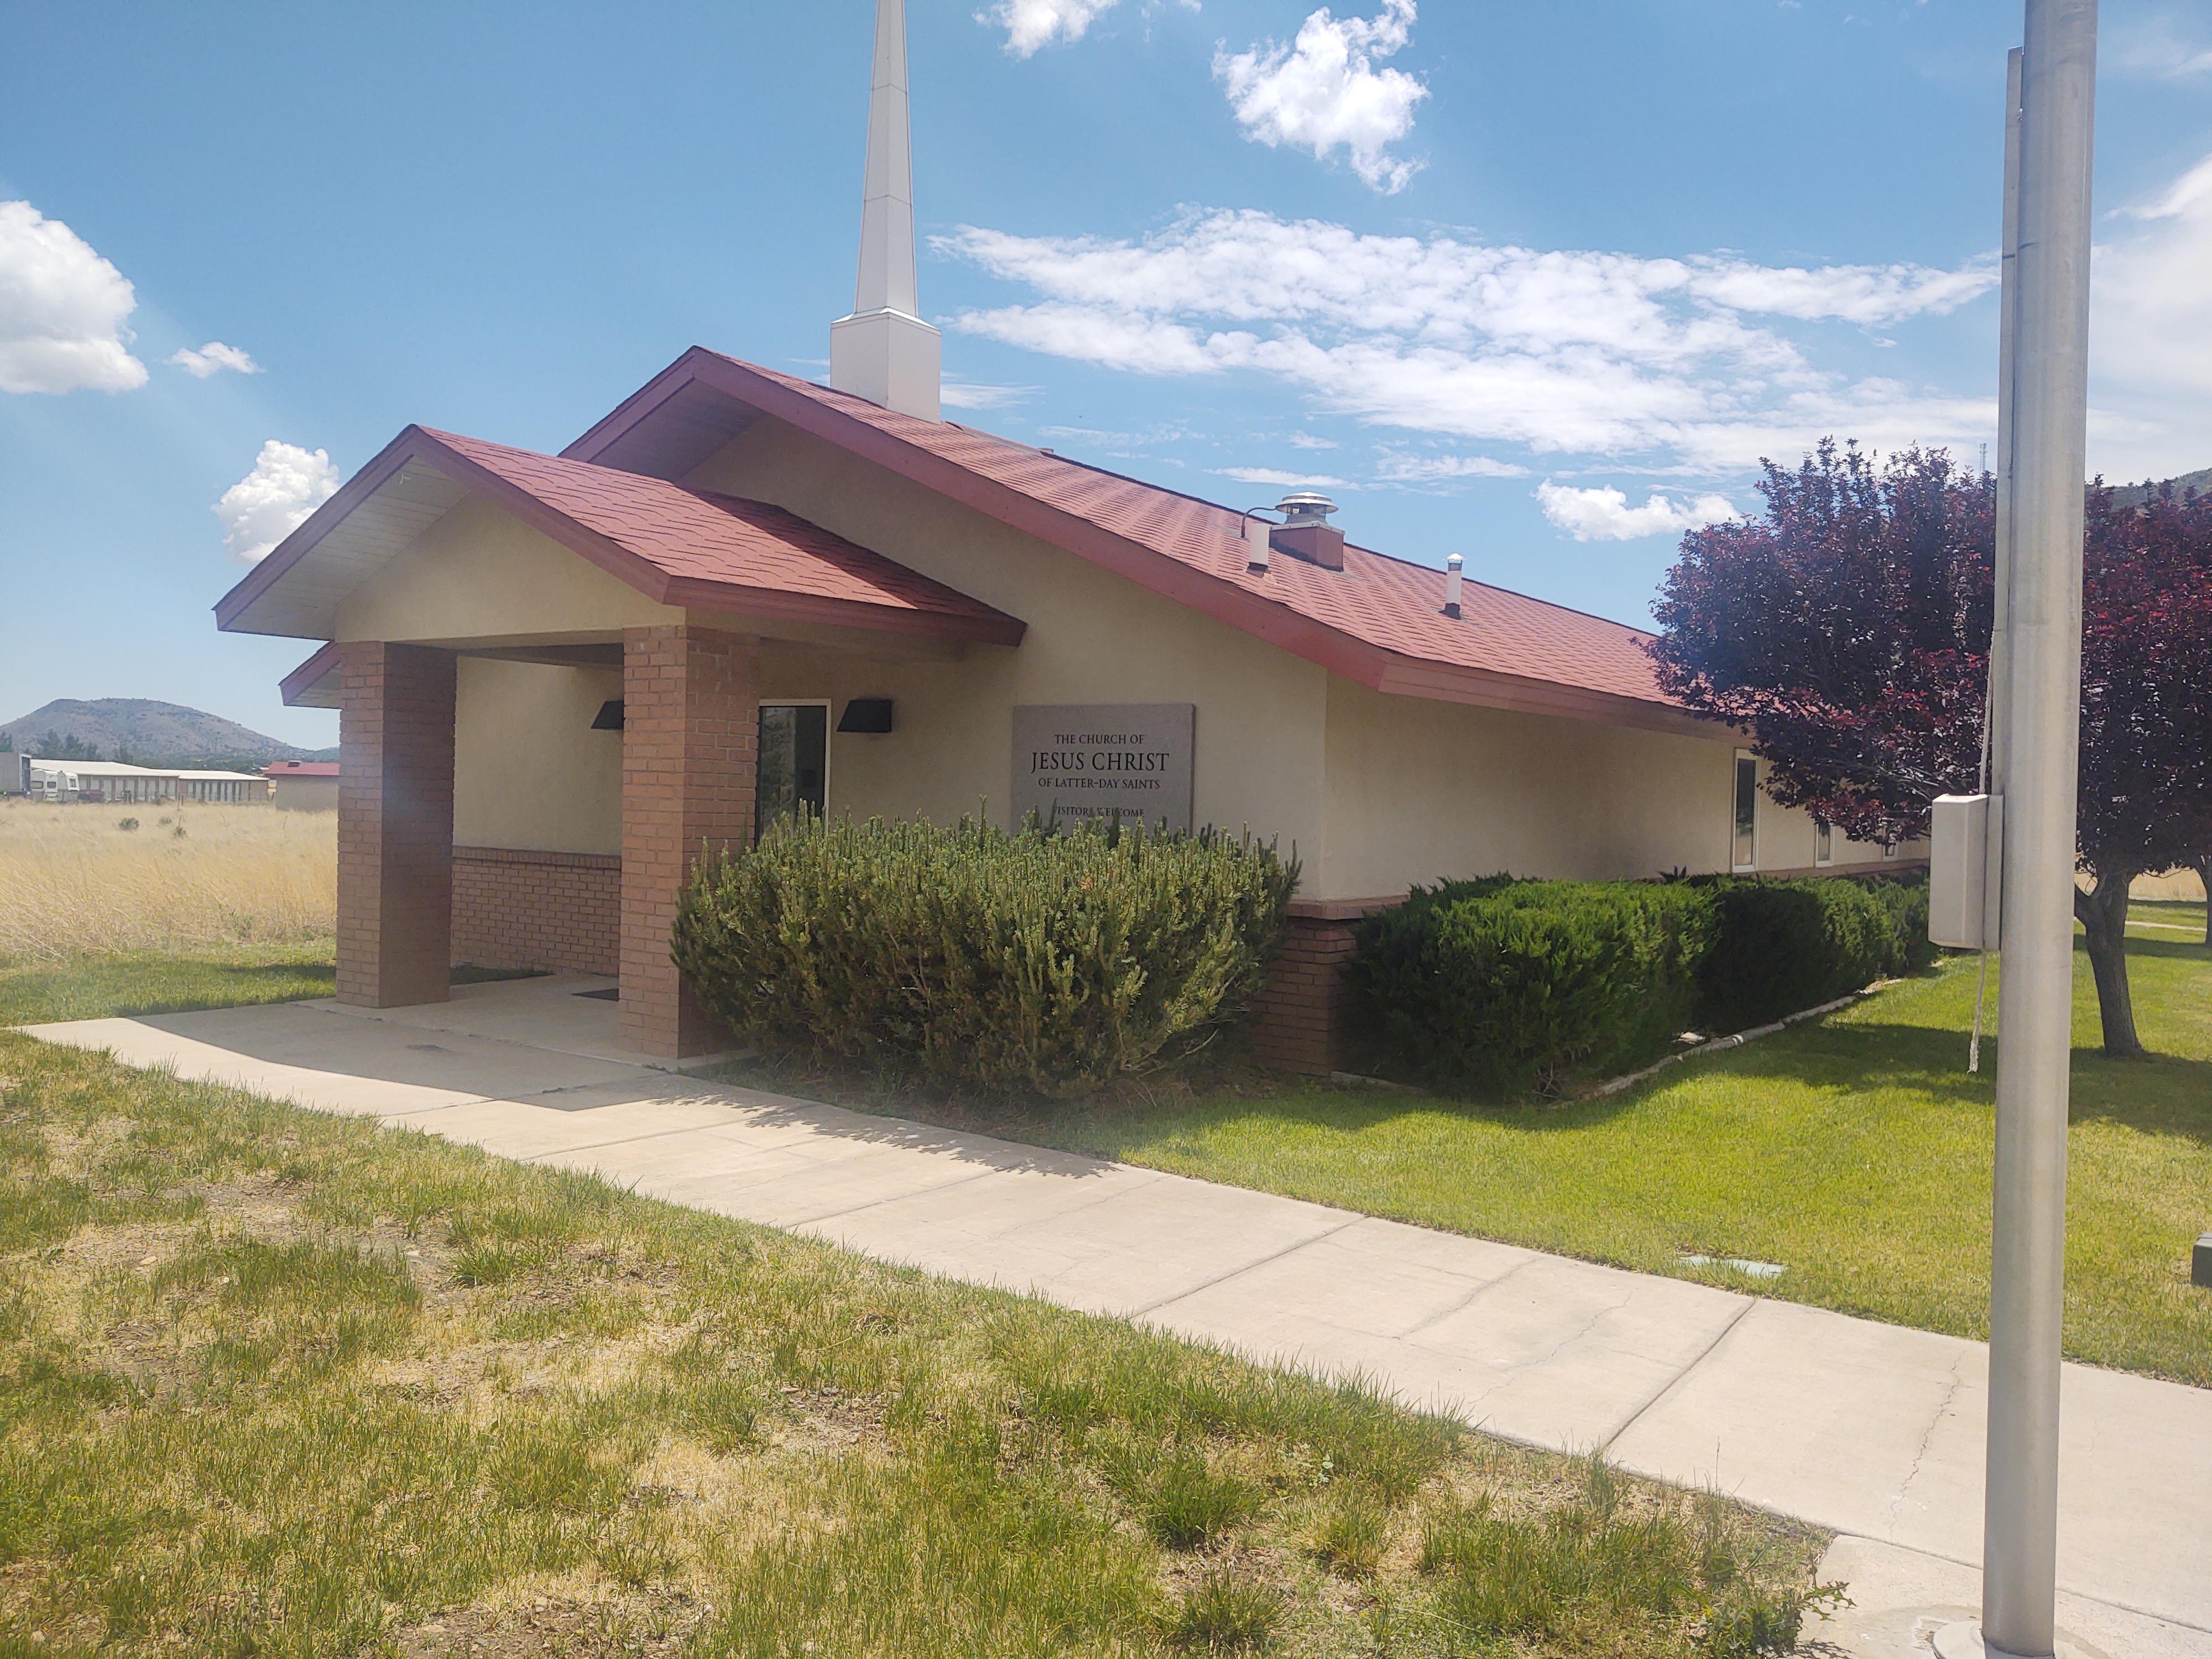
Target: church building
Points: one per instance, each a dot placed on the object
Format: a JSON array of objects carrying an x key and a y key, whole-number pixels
[{"x": 560, "y": 676}]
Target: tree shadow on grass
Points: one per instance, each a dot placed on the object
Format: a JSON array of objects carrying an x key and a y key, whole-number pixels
[
  {"x": 2164, "y": 1095},
  {"x": 2171, "y": 949},
  {"x": 131, "y": 987},
  {"x": 228, "y": 985}
]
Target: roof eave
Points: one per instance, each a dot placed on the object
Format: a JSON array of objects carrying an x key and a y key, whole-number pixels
[
  {"x": 1417, "y": 677},
  {"x": 230, "y": 609},
  {"x": 417, "y": 444},
  {"x": 295, "y": 686},
  {"x": 1375, "y": 667},
  {"x": 698, "y": 593}
]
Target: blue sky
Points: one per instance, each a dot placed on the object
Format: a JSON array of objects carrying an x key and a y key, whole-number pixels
[{"x": 1478, "y": 263}]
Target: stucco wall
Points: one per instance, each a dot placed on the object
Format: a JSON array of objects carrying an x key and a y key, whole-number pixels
[
  {"x": 1093, "y": 637},
  {"x": 1374, "y": 793},
  {"x": 1420, "y": 790},
  {"x": 528, "y": 770},
  {"x": 480, "y": 573}
]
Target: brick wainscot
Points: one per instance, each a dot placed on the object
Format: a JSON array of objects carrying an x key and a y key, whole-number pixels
[{"x": 556, "y": 911}]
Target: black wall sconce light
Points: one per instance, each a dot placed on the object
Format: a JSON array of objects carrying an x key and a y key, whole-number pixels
[{"x": 866, "y": 715}]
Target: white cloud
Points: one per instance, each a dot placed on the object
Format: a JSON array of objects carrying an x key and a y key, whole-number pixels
[
  {"x": 1270, "y": 475},
  {"x": 64, "y": 312},
  {"x": 1032, "y": 25},
  {"x": 1323, "y": 92},
  {"x": 287, "y": 484},
  {"x": 2160, "y": 48},
  {"x": 1604, "y": 515},
  {"x": 1308, "y": 440},
  {"x": 961, "y": 394},
  {"x": 1682, "y": 362},
  {"x": 2150, "y": 334},
  {"x": 1398, "y": 466},
  {"x": 1870, "y": 295},
  {"x": 212, "y": 359}
]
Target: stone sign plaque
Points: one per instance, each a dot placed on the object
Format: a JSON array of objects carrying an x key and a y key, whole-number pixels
[{"x": 1094, "y": 760}]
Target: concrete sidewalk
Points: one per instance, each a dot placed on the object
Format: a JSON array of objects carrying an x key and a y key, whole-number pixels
[{"x": 1873, "y": 1430}]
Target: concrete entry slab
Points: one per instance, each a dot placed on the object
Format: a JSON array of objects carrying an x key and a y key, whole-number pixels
[
  {"x": 1870, "y": 1428},
  {"x": 560, "y": 1013}
]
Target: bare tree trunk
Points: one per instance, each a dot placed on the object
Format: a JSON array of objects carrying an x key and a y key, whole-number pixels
[
  {"x": 2204, "y": 875},
  {"x": 2103, "y": 912}
]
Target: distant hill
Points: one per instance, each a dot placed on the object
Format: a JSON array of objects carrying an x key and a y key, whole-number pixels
[
  {"x": 149, "y": 734},
  {"x": 2137, "y": 495}
]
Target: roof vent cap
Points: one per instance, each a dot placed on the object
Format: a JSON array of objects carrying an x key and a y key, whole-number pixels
[{"x": 1304, "y": 506}]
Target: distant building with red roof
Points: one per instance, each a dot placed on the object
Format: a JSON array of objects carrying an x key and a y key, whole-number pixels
[{"x": 560, "y": 675}]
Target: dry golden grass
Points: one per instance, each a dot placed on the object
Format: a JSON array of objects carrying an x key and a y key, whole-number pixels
[
  {"x": 74, "y": 882},
  {"x": 2175, "y": 886},
  {"x": 274, "y": 1382}
]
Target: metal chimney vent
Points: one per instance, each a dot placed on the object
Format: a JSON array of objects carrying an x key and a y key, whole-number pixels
[{"x": 1305, "y": 507}]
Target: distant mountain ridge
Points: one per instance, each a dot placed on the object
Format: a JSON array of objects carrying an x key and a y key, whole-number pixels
[
  {"x": 149, "y": 734},
  {"x": 2137, "y": 495}
]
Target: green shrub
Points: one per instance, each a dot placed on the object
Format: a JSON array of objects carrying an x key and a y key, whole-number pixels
[
  {"x": 1498, "y": 986},
  {"x": 1033, "y": 963},
  {"x": 1904, "y": 898},
  {"x": 1780, "y": 947}
]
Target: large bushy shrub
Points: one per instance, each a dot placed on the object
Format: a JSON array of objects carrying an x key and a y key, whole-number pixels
[
  {"x": 1780, "y": 947},
  {"x": 1499, "y": 986},
  {"x": 1030, "y": 963},
  {"x": 1904, "y": 898}
]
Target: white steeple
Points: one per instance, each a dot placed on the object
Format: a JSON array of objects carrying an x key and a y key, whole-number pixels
[{"x": 884, "y": 351}]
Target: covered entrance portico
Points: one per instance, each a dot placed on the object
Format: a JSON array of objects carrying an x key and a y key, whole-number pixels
[{"x": 537, "y": 748}]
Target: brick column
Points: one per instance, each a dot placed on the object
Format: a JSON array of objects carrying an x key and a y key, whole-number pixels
[
  {"x": 690, "y": 743},
  {"x": 395, "y": 825},
  {"x": 1298, "y": 1020}
]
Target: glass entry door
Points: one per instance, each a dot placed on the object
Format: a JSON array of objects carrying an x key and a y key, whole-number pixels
[{"x": 795, "y": 762}]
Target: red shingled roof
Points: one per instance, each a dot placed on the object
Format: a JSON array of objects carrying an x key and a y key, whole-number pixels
[
  {"x": 682, "y": 547},
  {"x": 1380, "y": 620}
]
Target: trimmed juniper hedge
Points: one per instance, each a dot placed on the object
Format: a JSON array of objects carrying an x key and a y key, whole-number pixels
[
  {"x": 1497, "y": 987},
  {"x": 1036, "y": 962}
]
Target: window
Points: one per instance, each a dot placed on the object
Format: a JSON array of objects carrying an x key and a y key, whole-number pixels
[
  {"x": 794, "y": 762},
  {"x": 1824, "y": 848},
  {"x": 1746, "y": 811}
]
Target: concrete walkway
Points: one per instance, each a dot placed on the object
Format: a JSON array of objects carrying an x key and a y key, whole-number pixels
[{"x": 1873, "y": 1430}]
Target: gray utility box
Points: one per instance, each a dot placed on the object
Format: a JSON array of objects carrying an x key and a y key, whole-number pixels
[
  {"x": 2200, "y": 1265},
  {"x": 1965, "y": 872}
]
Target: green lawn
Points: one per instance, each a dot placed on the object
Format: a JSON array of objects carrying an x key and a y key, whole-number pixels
[
  {"x": 96, "y": 987},
  {"x": 277, "y": 1384},
  {"x": 1856, "y": 1151},
  {"x": 2167, "y": 918}
]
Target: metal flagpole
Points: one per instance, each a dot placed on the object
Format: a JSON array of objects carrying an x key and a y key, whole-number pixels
[
  {"x": 2008, "y": 321},
  {"x": 2040, "y": 748},
  {"x": 1999, "y": 676}
]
